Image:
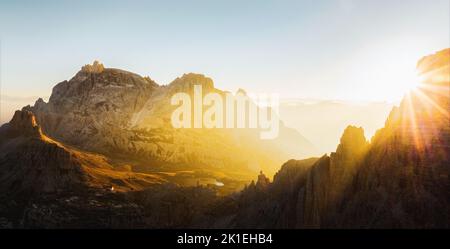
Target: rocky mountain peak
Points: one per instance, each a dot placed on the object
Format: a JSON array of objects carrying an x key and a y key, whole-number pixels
[
  {"x": 98, "y": 89},
  {"x": 263, "y": 181},
  {"x": 438, "y": 60},
  {"x": 95, "y": 67},
  {"x": 24, "y": 122},
  {"x": 352, "y": 139},
  {"x": 186, "y": 82},
  {"x": 241, "y": 92}
]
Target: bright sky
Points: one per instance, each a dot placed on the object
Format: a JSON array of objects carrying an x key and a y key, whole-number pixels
[{"x": 351, "y": 50}]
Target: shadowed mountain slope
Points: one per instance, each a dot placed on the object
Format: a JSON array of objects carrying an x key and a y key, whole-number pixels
[{"x": 31, "y": 163}]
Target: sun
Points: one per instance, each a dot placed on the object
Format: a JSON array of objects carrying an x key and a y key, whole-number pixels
[
  {"x": 400, "y": 83},
  {"x": 383, "y": 77},
  {"x": 417, "y": 81}
]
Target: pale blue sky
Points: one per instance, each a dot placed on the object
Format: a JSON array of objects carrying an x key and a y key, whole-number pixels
[{"x": 354, "y": 50}]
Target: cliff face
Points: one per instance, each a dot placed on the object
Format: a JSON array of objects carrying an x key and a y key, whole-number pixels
[{"x": 399, "y": 180}]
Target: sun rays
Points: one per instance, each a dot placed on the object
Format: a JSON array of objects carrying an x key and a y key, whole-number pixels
[{"x": 426, "y": 108}]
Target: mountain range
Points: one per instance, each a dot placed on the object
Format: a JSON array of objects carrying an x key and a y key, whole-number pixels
[
  {"x": 127, "y": 117},
  {"x": 102, "y": 153}
]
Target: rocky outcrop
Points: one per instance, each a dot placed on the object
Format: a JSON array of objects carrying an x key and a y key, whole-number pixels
[
  {"x": 95, "y": 68},
  {"x": 23, "y": 123},
  {"x": 263, "y": 181},
  {"x": 187, "y": 82}
]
